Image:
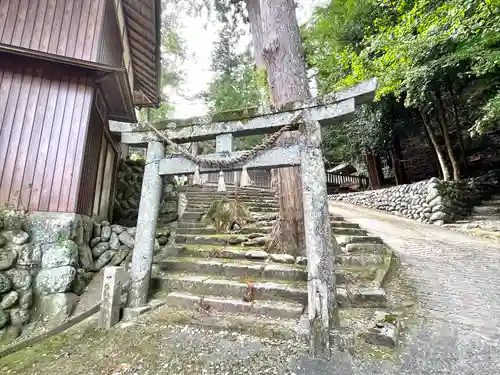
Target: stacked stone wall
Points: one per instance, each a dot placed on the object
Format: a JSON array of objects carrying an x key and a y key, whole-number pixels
[
  {"x": 429, "y": 201},
  {"x": 44, "y": 268},
  {"x": 128, "y": 195}
]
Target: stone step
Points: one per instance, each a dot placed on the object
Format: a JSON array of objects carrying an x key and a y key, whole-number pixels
[
  {"x": 225, "y": 252},
  {"x": 360, "y": 273},
  {"x": 352, "y": 297},
  {"x": 336, "y": 219},
  {"x": 206, "y": 285},
  {"x": 486, "y": 210},
  {"x": 363, "y": 297},
  {"x": 360, "y": 259},
  {"x": 183, "y": 224},
  {"x": 241, "y": 269},
  {"x": 218, "y": 239},
  {"x": 348, "y": 232},
  {"x": 250, "y": 208},
  {"x": 485, "y": 217},
  {"x": 365, "y": 248},
  {"x": 192, "y": 216},
  {"x": 211, "y": 196},
  {"x": 213, "y": 252},
  {"x": 273, "y": 309},
  {"x": 359, "y": 255},
  {"x": 261, "y": 231},
  {"x": 344, "y": 240},
  {"x": 255, "y": 204},
  {"x": 259, "y": 224},
  {"x": 256, "y": 216},
  {"x": 229, "y": 189},
  {"x": 343, "y": 224},
  {"x": 492, "y": 202}
]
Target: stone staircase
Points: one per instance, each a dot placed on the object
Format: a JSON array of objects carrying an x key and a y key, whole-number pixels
[
  {"x": 231, "y": 273},
  {"x": 488, "y": 210}
]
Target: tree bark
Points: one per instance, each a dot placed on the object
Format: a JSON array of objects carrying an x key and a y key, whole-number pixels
[
  {"x": 253, "y": 9},
  {"x": 446, "y": 135},
  {"x": 399, "y": 167},
  {"x": 439, "y": 153},
  {"x": 287, "y": 78},
  {"x": 458, "y": 125}
]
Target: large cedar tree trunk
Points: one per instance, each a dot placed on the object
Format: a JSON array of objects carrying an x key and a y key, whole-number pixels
[{"x": 283, "y": 54}]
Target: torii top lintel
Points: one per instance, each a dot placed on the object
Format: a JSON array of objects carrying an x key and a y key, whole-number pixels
[{"x": 332, "y": 108}]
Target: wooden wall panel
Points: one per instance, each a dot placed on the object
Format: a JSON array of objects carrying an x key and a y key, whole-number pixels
[
  {"x": 69, "y": 28},
  {"x": 88, "y": 185},
  {"x": 110, "y": 48},
  {"x": 44, "y": 111}
]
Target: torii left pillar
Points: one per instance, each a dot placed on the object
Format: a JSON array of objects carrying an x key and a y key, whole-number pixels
[{"x": 149, "y": 208}]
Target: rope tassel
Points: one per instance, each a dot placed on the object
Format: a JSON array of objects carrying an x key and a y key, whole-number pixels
[
  {"x": 221, "y": 186},
  {"x": 196, "y": 177},
  {"x": 245, "y": 178}
]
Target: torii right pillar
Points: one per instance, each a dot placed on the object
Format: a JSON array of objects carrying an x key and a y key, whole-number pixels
[{"x": 322, "y": 303}]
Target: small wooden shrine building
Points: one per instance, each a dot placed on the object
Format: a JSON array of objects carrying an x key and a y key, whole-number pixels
[{"x": 66, "y": 69}]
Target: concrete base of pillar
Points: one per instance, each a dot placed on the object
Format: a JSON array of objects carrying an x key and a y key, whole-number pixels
[{"x": 130, "y": 313}]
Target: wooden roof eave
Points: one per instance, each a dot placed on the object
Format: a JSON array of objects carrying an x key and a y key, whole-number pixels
[
  {"x": 150, "y": 73},
  {"x": 68, "y": 61}
]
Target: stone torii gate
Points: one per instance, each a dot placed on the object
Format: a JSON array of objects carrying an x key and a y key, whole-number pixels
[{"x": 308, "y": 117}]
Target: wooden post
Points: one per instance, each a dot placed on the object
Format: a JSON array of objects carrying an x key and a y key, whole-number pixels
[
  {"x": 149, "y": 207},
  {"x": 110, "y": 297},
  {"x": 321, "y": 247}
]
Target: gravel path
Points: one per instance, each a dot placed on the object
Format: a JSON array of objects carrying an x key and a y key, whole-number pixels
[
  {"x": 456, "y": 329},
  {"x": 458, "y": 287}
]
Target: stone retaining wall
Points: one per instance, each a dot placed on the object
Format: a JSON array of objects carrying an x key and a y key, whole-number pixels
[
  {"x": 43, "y": 268},
  {"x": 113, "y": 244},
  {"x": 128, "y": 195},
  {"x": 429, "y": 201}
]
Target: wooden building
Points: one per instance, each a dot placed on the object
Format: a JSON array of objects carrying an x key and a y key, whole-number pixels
[{"x": 68, "y": 67}]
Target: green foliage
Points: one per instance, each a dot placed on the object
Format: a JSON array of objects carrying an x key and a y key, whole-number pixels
[
  {"x": 236, "y": 84},
  {"x": 422, "y": 51},
  {"x": 173, "y": 54}
]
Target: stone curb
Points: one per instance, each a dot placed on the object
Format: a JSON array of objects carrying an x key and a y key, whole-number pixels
[{"x": 382, "y": 274}]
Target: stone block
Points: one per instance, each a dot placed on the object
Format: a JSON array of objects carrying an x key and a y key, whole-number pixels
[
  {"x": 56, "y": 308},
  {"x": 9, "y": 300},
  {"x": 231, "y": 306},
  {"x": 85, "y": 258},
  {"x": 8, "y": 257},
  {"x": 104, "y": 259},
  {"x": 5, "y": 283},
  {"x": 21, "y": 278},
  {"x": 16, "y": 237},
  {"x": 105, "y": 233},
  {"x": 383, "y": 334},
  {"x": 256, "y": 254},
  {"x": 4, "y": 318},
  {"x": 279, "y": 272},
  {"x": 183, "y": 300},
  {"x": 282, "y": 258},
  {"x": 19, "y": 316},
  {"x": 109, "y": 313},
  {"x": 55, "y": 280},
  {"x": 99, "y": 249},
  {"x": 114, "y": 242},
  {"x": 277, "y": 309},
  {"x": 368, "y": 297},
  {"x": 58, "y": 254}
]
